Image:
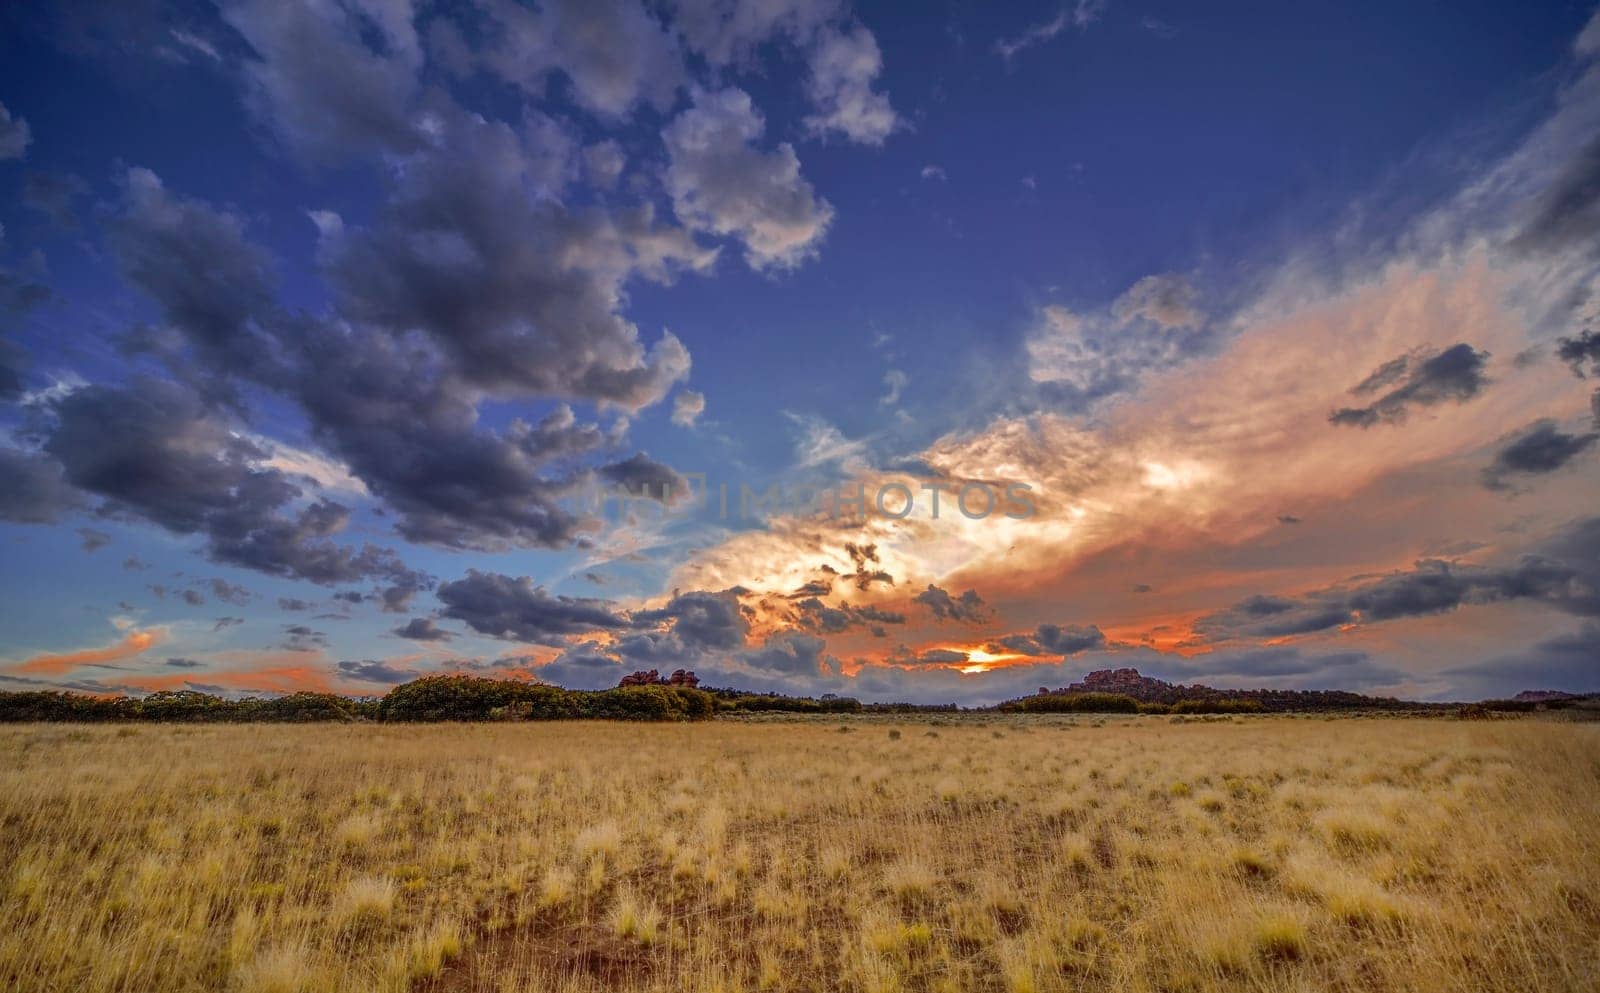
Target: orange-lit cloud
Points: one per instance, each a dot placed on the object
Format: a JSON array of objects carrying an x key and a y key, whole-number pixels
[{"x": 135, "y": 643}]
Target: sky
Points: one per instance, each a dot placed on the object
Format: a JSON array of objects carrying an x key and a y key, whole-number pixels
[{"x": 934, "y": 354}]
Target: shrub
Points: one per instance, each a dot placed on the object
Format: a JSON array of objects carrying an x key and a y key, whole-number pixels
[
  {"x": 1074, "y": 703},
  {"x": 1217, "y": 705}
]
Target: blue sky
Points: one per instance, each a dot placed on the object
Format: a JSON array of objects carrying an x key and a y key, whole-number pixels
[{"x": 357, "y": 298}]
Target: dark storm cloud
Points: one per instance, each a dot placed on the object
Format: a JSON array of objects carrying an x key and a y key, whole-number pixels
[
  {"x": 1581, "y": 351},
  {"x": 193, "y": 598},
  {"x": 370, "y": 671},
  {"x": 153, "y": 451},
  {"x": 1568, "y": 213},
  {"x": 33, "y": 489},
  {"x": 968, "y": 607},
  {"x": 1454, "y": 375},
  {"x": 701, "y": 620},
  {"x": 1538, "y": 450},
  {"x": 423, "y": 629},
  {"x": 223, "y": 623},
  {"x": 290, "y": 603},
  {"x": 181, "y": 663},
  {"x": 1564, "y": 573},
  {"x": 1054, "y": 639},
  {"x": 513, "y": 608},
  {"x": 903, "y": 656}
]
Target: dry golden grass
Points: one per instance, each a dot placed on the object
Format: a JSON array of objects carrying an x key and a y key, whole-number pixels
[{"x": 1020, "y": 855}]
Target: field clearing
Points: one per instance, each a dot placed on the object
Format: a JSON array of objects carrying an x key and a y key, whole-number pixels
[{"x": 1019, "y": 854}]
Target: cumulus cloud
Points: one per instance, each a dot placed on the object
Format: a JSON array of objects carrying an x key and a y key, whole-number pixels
[
  {"x": 701, "y": 619},
  {"x": 1538, "y": 450},
  {"x": 721, "y": 183},
  {"x": 613, "y": 54},
  {"x": 687, "y": 407},
  {"x": 152, "y": 451},
  {"x": 968, "y": 607},
  {"x": 515, "y": 609},
  {"x": 332, "y": 80},
  {"x": 727, "y": 32},
  {"x": 33, "y": 489},
  {"x": 1454, "y": 375},
  {"x": 423, "y": 629},
  {"x": 844, "y": 65},
  {"x": 372, "y": 671},
  {"x": 1054, "y": 639}
]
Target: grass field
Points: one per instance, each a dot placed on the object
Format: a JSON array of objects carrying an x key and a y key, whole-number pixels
[{"x": 1023, "y": 854}]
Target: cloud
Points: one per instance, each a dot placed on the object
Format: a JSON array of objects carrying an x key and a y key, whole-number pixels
[
  {"x": 33, "y": 489},
  {"x": 371, "y": 671},
  {"x": 1565, "y": 662},
  {"x": 332, "y": 80},
  {"x": 514, "y": 609},
  {"x": 646, "y": 477},
  {"x": 1454, "y": 375},
  {"x": 813, "y": 614},
  {"x": 844, "y": 65},
  {"x": 721, "y": 183},
  {"x": 54, "y": 195},
  {"x": 1054, "y": 639},
  {"x": 687, "y": 407},
  {"x": 968, "y": 607},
  {"x": 614, "y": 53},
  {"x": 195, "y": 262},
  {"x": 93, "y": 540},
  {"x": 1537, "y": 450},
  {"x": 301, "y": 638},
  {"x": 1082, "y": 14},
  {"x": 894, "y": 381},
  {"x": 934, "y": 172},
  {"x": 152, "y": 451},
  {"x": 1581, "y": 348},
  {"x": 14, "y": 135},
  {"x": 1567, "y": 215},
  {"x": 133, "y": 644},
  {"x": 423, "y": 629},
  {"x": 1563, "y": 573},
  {"x": 701, "y": 619},
  {"x": 1168, "y": 301},
  {"x": 728, "y": 32}
]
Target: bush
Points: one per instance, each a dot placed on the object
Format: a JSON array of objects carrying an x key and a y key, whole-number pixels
[
  {"x": 1218, "y": 705},
  {"x": 1074, "y": 703}
]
